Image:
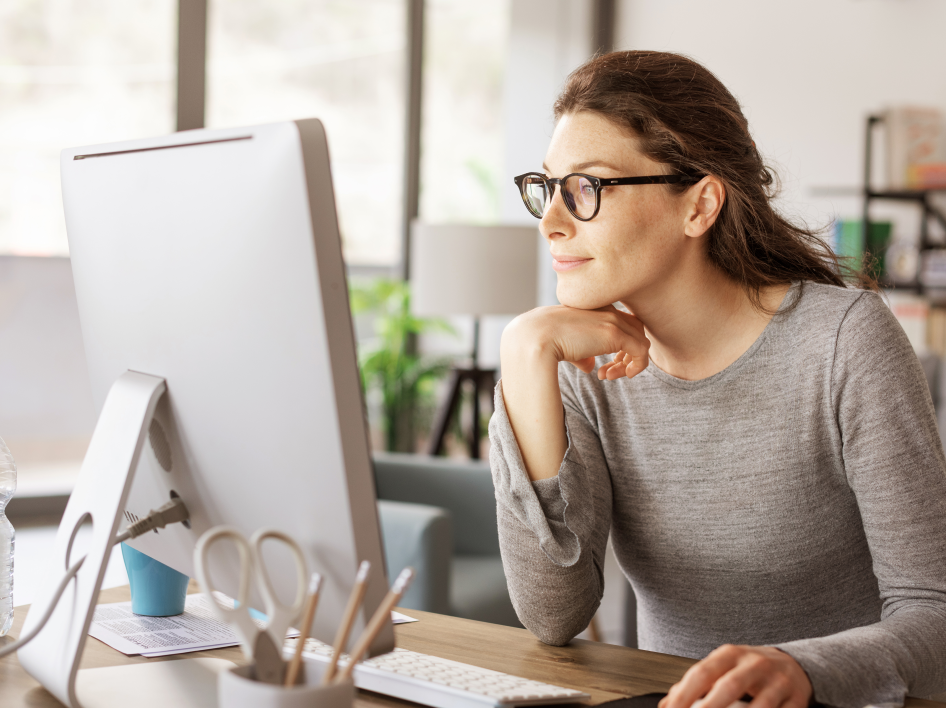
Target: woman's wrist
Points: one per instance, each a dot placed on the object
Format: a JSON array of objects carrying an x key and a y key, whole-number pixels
[{"x": 524, "y": 340}]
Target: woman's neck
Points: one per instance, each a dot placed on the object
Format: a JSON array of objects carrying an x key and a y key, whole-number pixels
[{"x": 702, "y": 323}]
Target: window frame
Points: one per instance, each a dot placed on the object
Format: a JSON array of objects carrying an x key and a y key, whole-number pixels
[{"x": 191, "y": 97}]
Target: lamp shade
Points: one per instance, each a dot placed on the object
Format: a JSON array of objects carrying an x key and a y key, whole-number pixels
[{"x": 473, "y": 270}]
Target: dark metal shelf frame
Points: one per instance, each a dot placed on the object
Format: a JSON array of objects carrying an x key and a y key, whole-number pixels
[{"x": 920, "y": 196}]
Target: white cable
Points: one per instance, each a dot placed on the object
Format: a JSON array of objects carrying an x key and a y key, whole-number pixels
[
  {"x": 172, "y": 512},
  {"x": 70, "y": 574}
]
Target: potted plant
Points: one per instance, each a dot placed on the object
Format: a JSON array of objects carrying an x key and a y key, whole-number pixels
[{"x": 391, "y": 365}]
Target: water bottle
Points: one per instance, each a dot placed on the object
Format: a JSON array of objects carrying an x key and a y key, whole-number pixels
[{"x": 7, "y": 538}]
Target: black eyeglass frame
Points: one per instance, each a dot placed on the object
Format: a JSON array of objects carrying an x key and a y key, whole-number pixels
[{"x": 597, "y": 183}]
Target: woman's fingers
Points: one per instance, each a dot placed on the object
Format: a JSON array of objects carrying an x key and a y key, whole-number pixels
[
  {"x": 636, "y": 365},
  {"x": 624, "y": 333},
  {"x": 700, "y": 678},
  {"x": 603, "y": 370},
  {"x": 776, "y": 696},
  {"x": 623, "y": 365},
  {"x": 772, "y": 677},
  {"x": 618, "y": 360},
  {"x": 743, "y": 679}
]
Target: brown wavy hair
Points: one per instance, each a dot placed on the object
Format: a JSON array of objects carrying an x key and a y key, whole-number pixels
[{"x": 685, "y": 118}]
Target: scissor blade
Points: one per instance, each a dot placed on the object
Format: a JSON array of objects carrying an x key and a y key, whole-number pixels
[{"x": 270, "y": 667}]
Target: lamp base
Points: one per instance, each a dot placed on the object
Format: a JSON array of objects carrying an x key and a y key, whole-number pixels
[{"x": 483, "y": 380}]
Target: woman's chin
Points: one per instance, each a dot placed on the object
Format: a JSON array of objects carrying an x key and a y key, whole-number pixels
[{"x": 582, "y": 301}]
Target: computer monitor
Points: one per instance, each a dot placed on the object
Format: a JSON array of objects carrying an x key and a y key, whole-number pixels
[{"x": 212, "y": 260}]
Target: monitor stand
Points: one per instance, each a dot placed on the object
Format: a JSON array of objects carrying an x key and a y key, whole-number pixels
[
  {"x": 178, "y": 683},
  {"x": 100, "y": 495}
]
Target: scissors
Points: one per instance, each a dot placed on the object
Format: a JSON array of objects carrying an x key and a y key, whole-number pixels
[{"x": 262, "y": 646}]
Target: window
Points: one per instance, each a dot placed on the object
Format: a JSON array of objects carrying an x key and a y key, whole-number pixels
[
  {"x": 81, "y": 72},
  {"x": 74, "y": 72},
  {"x": 462, "y": 129},
  {"x": 335, "y": 60}
]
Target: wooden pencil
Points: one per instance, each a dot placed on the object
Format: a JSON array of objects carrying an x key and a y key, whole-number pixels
[
  {"x": 381, "y": 615},
  {"x": 315, "y": 586},
  {"x": 348, "y": 619}
]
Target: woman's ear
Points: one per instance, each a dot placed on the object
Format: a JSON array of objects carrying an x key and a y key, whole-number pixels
[{"x": 706, "y": 199}]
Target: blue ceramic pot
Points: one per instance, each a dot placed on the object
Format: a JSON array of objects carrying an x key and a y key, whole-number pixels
[{"x": 156, "y": 589}]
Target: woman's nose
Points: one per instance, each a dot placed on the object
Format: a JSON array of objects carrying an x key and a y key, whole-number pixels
[{"x": 556, "y": 222}]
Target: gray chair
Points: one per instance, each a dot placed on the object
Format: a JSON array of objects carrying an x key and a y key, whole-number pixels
[
  {"x": 416, "y": 491},
  {"x": 420, "y": 536}
]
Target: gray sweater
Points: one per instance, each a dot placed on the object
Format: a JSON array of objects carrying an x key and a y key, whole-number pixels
[{"x": 795, "y": 499}]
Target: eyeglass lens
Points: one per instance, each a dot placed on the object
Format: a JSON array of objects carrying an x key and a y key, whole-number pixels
[
  {"x": 579, "y": 195},
  {"x": 535, "y": 193}
]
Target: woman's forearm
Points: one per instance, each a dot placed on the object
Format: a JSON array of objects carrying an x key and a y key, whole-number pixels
[{"x": 534, "y": 406}]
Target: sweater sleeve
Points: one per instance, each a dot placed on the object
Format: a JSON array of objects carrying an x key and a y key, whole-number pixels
[
  {"x": 894, "y": 463},
  {"x": 552, "y": 533}
]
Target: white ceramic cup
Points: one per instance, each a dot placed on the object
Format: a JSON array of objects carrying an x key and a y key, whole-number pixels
[{"x": 237, "y": 689}]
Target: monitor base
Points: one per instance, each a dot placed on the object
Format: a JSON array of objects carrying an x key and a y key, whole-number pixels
[{"x": 182, "y": 683}]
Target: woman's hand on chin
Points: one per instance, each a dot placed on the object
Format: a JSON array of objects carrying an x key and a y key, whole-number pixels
[
  {"x": 532, "y": 347},
  {"x": 772, "y": 677},
  {"x": 578, "y": 336}
]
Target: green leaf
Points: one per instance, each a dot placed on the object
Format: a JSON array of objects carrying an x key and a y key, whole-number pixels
[{"x": 390, "y": 364}]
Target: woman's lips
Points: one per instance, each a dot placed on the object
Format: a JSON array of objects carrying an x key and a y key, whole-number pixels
[{"x": 564, "y": 263}]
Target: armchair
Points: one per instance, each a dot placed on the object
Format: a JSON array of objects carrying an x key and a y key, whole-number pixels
[{"x": 470, "y": 582}]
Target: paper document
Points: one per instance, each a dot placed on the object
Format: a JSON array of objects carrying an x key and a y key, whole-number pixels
[
  {"x": 195, "y": 630},
  {"x": 198, "y": 629}
]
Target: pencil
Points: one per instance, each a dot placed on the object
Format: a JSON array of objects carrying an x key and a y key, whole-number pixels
[
  {"x": 348, "y": 619},
  {"x": 381, "y": 615},
  {"x": 315, "y": 585}
]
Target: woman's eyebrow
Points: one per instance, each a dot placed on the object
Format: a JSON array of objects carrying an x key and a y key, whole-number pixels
[
  {"x": 585, "y": 165},
  {"x": 595, "y": 163}
]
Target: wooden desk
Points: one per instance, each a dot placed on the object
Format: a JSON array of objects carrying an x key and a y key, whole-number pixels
[{"x": 605, "y": 671}]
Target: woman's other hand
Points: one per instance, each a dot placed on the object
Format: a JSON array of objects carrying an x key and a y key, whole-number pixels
[
  {"x": 772, "y": 677},
  {"x": 578, "y": 336}
]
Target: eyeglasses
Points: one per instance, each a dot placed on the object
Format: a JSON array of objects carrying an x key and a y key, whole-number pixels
[{"x": 581, "y": 193}]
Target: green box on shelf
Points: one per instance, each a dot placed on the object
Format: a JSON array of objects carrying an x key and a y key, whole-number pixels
[{"x": 847, "y": 242}]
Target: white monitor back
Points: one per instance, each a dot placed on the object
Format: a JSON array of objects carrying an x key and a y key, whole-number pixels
[{"x": 212, "y": 259}]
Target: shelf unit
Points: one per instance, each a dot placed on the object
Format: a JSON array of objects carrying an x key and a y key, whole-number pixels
[{"x": 919, "y": 197}]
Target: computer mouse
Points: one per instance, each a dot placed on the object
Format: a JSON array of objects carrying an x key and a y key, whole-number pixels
[{"x": 650, "y": 700}]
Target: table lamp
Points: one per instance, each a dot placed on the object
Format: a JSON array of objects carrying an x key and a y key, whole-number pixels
[{"x": 471, "y": 270}]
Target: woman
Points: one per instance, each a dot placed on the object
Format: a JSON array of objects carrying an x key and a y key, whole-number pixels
[{"x": 762, "y": 449}]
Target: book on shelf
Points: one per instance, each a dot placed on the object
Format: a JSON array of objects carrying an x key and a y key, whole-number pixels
[
  {"x": 912, "y": 312},
  {"x": 936, "y": 331},
  {"x": 923, "y": 322},
  {"x": 916, "y": 148}
]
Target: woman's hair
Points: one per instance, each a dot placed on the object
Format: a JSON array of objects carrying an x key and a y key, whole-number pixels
[{"x": 686, "y": 119}]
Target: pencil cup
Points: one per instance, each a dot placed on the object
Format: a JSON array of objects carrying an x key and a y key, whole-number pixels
[
  {"x": 156, "y": 589},
  {"x": 237, "y": 688}
]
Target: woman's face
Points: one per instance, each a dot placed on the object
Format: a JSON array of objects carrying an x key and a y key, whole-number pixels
[{"x": 637, "y": 238}]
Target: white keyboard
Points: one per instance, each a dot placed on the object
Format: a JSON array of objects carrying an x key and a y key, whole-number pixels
[{"x": 443, "y": 683}]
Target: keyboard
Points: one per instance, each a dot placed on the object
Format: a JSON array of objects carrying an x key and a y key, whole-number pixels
[{"x": 442, "y": 683}]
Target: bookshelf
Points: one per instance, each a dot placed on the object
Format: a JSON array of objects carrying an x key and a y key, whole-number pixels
[{"x": 919, "y": 197}]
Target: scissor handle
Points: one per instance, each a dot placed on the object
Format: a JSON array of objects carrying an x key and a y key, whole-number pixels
[
  {"x": 238, "y": 616},
  {"x": 280, "y": 616}
]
